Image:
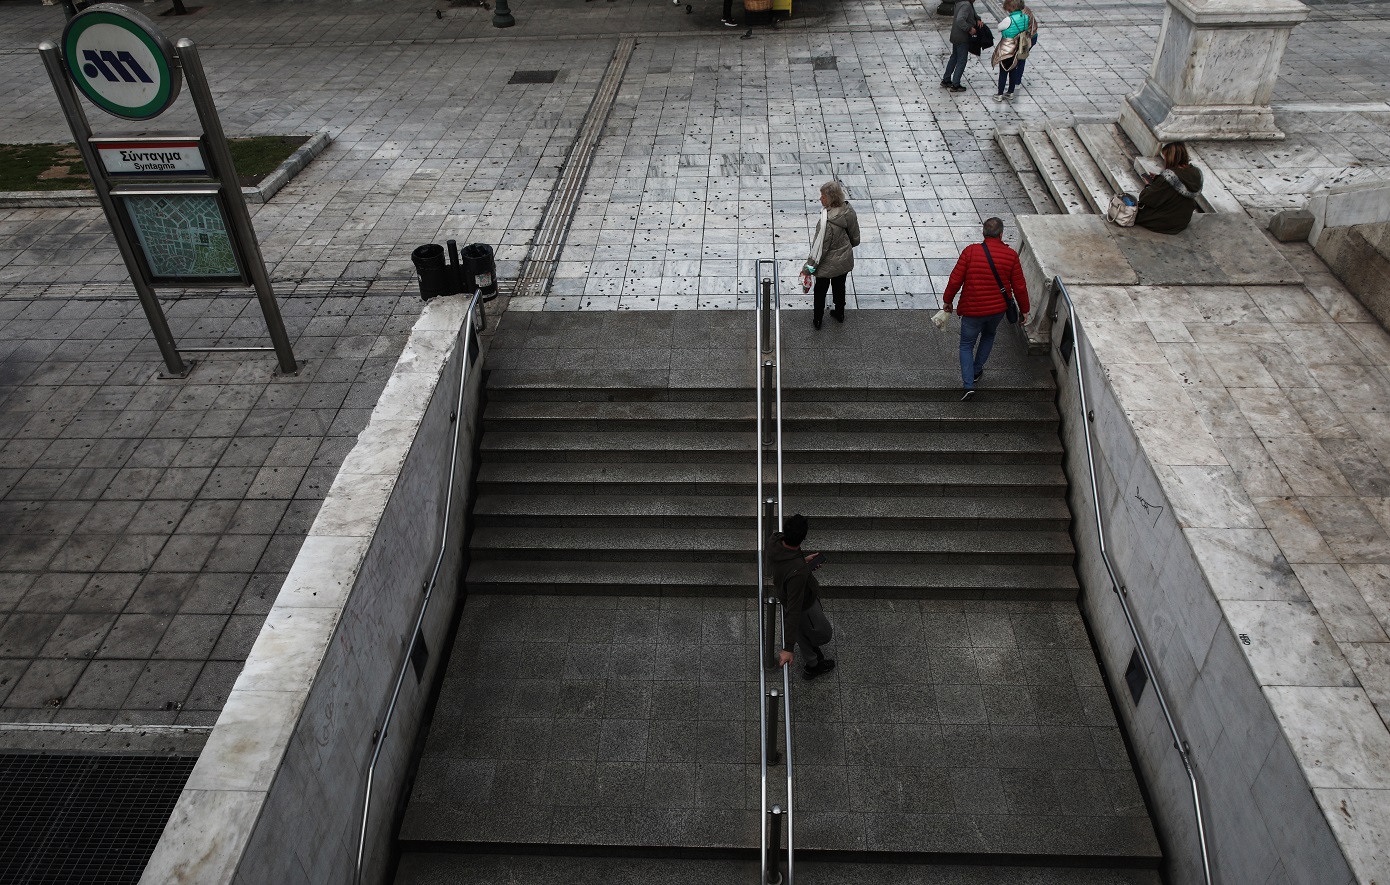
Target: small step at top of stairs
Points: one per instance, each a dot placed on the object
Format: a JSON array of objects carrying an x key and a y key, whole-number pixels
[
  {"x": 1069, "y": 196},
  {"x": 727, "y": 477},
  {"x": 1113, "y": 154},
  {"x": 1084, "y": 171},
  {"x": 821, "y": 414},
  {"x": 1022, "y": 164},
  {"x": 424, "y": 868}
]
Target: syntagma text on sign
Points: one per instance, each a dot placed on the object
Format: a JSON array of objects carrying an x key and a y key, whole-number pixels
[{"x": 151, "y": 158}]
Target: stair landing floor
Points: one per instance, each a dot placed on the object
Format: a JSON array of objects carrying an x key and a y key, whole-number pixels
[{"x": 949, "y": 727}]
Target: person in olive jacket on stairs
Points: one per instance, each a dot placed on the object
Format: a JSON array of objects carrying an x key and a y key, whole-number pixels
[
  {"x": 796, "y": 587},
  {"x": 832, "y": 249}
]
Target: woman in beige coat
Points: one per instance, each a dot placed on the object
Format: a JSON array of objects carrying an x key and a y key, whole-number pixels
[{"x": 832, "y": 249}]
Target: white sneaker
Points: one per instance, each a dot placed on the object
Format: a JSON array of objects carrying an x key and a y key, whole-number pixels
[
  {"x": 999, "y": 97},
  {"x": 728, "y": 24}
]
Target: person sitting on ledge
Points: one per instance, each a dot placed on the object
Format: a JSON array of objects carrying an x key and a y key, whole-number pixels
[{"x": 1169, "y": 198}]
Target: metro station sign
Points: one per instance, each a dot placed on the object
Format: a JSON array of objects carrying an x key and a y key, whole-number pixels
[
  {"x": 151, "y": 157},
  {"x": 120, "y": 60}
]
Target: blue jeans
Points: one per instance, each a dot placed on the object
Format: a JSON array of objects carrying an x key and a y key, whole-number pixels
[
  {"x": 960, "y": 54},
  {"x": 1011, "y": 78},
  {"x": 972, "y": 361}
]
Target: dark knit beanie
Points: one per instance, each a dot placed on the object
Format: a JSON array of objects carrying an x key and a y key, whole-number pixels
[{"x": 794, "y": 530}]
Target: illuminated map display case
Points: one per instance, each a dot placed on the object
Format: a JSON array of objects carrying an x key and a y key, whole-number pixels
[{"x": 183, "y": 234}]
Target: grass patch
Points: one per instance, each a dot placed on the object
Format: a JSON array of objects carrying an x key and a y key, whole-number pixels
[{"x": 59, "y": 167}]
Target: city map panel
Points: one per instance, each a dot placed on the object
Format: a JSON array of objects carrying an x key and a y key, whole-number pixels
[{"x": 183, "y": 236}]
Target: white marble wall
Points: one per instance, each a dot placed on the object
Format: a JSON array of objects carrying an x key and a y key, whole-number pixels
[
  {"x": 276, "y": 796},
  {"x": 1200, "y": 570}
]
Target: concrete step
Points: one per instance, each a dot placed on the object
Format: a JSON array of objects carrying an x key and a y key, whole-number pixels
[
  {"x": 1022, "y": 164},
  {"x": 424, "y": 867},
  {"x": 961, "y": 448},
  {"x": 710, "y": 578},
  {"x": 833, "y": 415},
  {"x": 1113, "y": 153},
  {"x": 827, "y": 514},
  {"x": 1053, "y": 170},
  {"x": 1002, "y": 384},
  {"x": 843, "y": 546},
  {"x": 592, "y": 386},
  {"x": 1083, "y": 169},
  {"x": 730, "y": 478}
]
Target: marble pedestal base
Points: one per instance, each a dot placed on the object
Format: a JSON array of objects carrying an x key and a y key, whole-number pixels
[
  {"x": 1213, "y": 72},
  {"x": 1150, "y": 124}
]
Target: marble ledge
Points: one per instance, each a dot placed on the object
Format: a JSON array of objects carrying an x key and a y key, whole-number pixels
[
  {"x": 405, "y": 397},
  {"x": 324, "y": 572},
  {"x": 381, "y": 448},
  {"x": 247, "y": 745},
  {"x": 289, "y": 650},
  {"x": 1336, "y": 734},
  {"x": 1208, "y": 497},
  {"x": 1287, "y": 643},
  {"x": 205, "y": 837},
  {"x": 1360, "y": 821},
  {"x": 354, "y": 506},
  {"x": 1244, "y": 565}
]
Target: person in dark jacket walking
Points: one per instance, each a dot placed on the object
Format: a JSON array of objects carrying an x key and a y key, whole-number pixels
[
  {"x": 796, "y": 586},
  {"x": 832, "y": 249},
  {"x": 1168, "y": 199},
  {"x": 963, "y": 24},
  {"x": 982, "y": 303}
]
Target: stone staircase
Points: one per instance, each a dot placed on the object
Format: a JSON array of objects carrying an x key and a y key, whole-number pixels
[
  {"x": 620, "y": 491},
  {"x": 598, "y": 719},
  {"x": 1075, "y": 169}
]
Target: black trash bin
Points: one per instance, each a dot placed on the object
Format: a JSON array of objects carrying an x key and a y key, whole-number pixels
[
  {"x": 478, "y": 263},
  {"x": 435, "y": 279}
]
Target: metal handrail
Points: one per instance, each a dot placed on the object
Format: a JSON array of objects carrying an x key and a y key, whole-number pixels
[
  {"x": 1121, "y": 592},
  {"x": 475, "y": 315},
  {"x": 767, "y": 348}
]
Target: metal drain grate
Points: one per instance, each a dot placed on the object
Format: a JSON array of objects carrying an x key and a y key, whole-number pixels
[
  {"x": 532, "y": 77},
  {"x": 84, "y": 819}
]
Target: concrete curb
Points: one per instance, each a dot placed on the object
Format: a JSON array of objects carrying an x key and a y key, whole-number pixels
[{"x": 261, "y": 193}]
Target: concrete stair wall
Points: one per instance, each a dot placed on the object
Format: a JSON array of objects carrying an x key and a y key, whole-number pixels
[{"x": 621, "y": 491}]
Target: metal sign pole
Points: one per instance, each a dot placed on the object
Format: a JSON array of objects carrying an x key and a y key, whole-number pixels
[
  {"x": 82, "y": 133},
  {"x": 238, "y": 215}
]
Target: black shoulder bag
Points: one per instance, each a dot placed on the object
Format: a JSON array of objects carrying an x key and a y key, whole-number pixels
[{"x": 1010, "y": 306}]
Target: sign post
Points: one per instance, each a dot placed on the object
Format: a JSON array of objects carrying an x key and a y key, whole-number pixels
[{"x": 174, "y": 202}]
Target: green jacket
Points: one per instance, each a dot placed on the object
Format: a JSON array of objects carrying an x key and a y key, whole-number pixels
[{"x": 841, "y": 236}]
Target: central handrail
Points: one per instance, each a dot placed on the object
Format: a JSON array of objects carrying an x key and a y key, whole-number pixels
[
  {"x": 767, "y": 382},
  {"x": 1060, "y": 288},
  {"x": 467, "y": 335}
]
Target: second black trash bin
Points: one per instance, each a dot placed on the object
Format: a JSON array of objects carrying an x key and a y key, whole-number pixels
[
  {"x": 435, "y": 278},
  {"x": 478, "y": 261}
]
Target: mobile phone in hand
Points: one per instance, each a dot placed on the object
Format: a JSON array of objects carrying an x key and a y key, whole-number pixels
[{"x": 816, "y": 560}]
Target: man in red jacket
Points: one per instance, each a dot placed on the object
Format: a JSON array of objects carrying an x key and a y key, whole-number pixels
[{"x": 982, "y": 304}]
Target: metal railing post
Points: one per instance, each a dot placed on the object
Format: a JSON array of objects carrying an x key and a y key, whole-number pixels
[
  {"x": 769, "y": 620},
  {"x": 766, "y": 307},
  {"x": 769, "y": 382},
  {"x": 774, "y": 846},
  {"x": 773, "y": 698}
]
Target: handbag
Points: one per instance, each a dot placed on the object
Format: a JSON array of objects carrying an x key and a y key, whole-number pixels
[
  {"x": 1123, "y": 209},
  {"x": 1010, "y": 306}
]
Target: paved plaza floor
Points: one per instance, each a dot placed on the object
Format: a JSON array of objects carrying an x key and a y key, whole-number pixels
[{"x": 145, "y": 523}]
